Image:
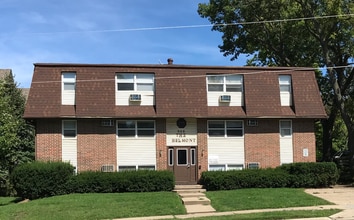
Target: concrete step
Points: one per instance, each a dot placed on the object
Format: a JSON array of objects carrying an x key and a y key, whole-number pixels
[
  {"x": 202, "y": 200},
  {"x": 199, "y": 209},
  {"x": 188, "y": 187},
  {"x": 182, "y": 191},
  {"x": 191, "y": 194}
]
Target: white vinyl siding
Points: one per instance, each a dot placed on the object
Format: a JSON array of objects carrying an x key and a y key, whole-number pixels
[
  {"x": 218, "y": 85},
  {"x": 135, "y": 84},
  {"x": 68, "y": 88},
  {"x": 225, "y": 144},
  {"x": 136, "y": 152},
  {"x": 186, "y": 136},
  {"x": 69, "y": 142},
  {"x": 136, "y": 144},
  {"x": 286, "y": 141},
  {"x": 285, "y": 90},
  {"x": 226, "y": 152}
]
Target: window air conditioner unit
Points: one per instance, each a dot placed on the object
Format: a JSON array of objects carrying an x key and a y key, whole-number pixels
[
  {"x": 107, "y": 168},
  {"x": 225, "y": 98},
  {"x": 135, "y": 97},
  {"x": 252, "y": 123},
  {"x": 107, "y": 123},
  {"x": 253, "y": 165}
]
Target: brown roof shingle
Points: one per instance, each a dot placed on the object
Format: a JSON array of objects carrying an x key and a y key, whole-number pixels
[{"x": 180, "y": 92}]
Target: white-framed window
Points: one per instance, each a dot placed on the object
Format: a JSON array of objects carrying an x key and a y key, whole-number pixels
[
  {"x": 217, "y": 167},
  {"x": 285, "y": 127},
  {"x": 225, "y": 128},
  {"x": 68, "y": 88},
  {"x": 137, "y": 167},
  {"x": 69, "y": 129},
  {"x": 224, "y": 167},
  {"x": 136, "y": 128},
  {"x": 221, "y": 83},
  {"x": 135, "y": 82},
  {"x": 285, "y": 90}
]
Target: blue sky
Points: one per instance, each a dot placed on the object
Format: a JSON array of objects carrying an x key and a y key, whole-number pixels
[{"x": 101, "y": 31}]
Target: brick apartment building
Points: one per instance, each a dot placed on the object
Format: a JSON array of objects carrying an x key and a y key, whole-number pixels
[{"x": 187, "y": 119}]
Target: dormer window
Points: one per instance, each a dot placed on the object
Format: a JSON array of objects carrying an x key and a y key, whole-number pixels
[
  {"x": 68, "y": 88},
  {"x": 285, "y": 90},
  {"x": 225, "y": 90}
]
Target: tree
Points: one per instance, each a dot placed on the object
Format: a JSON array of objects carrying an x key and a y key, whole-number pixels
[
  {"x": 299, "y": 33},
  {"x": 16, "y": 135}
]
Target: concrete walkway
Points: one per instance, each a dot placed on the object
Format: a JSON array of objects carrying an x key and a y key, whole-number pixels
[{"x": 341, "y": 196}]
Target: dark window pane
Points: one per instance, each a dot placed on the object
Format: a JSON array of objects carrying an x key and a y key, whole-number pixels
[
  {"x": 146, "y": 124},
  {"x": 233, "y": 88},
  {"x": 69, "y": 133},
  {"x": 192, "y": 156},
  {"x": 215, "y": 87},
  {"x": 234, "y": 133},
  {"x": 146, "y": 133},
  {"x": 234, "y": 124},
  {"x": 170, "y": 157},
  {"x": 126, "y": 124},
  {"x": 182, "y": 157},
  {"x": 216, "y": 133},
  {"x": 126, "y": 133},
  {"x": 216, "y": 124},
  {"x": 126, "y": 86}
]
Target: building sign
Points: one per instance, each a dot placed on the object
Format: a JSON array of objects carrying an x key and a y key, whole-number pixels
[{"x": 181, "y": 132}]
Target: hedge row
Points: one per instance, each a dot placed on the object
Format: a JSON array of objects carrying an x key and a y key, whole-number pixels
[
  {"x": 44, "y": 179},
  {"x": 295, "y": 175}
]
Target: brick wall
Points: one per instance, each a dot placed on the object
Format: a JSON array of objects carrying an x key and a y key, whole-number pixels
[
  {"x": 96, "y": 145},
  {"x": 161, "y": 149},
  {"x": 202, "y": 146},
  {"x": 304, "y": 138},
  {"x": 48, "y": 140},
  {"x": 262, "y": 143}
]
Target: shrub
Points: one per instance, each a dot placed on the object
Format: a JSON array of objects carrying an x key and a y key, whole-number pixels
[
  {"x": 304, "y": 175},
  {"x": 41, "y": 179},
  {"x": 253, "y": 178},
  {"x": 311, "y": 175},
  {"x": 129, "y": 181}
]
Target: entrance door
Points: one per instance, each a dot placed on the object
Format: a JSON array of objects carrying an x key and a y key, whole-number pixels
[{"x": 182, "y": 161}]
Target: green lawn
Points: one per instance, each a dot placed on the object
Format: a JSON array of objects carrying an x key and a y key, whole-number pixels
[
  {"x": 120, "y": 205},
  {"x": 94, "y": 206},
  {"x": 262, "y": 199}
]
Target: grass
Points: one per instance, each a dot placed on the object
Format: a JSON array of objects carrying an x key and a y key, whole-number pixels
[
  {"x": 94, "y": 206},
  {"x": 246, "y": 199},
  {"x": 123, "y": 205}
]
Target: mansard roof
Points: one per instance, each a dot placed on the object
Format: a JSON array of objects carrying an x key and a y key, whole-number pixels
[{"x": 180, "y": 91}]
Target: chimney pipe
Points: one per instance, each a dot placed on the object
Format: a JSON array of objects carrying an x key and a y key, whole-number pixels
[{"x": 169, "y": 61}]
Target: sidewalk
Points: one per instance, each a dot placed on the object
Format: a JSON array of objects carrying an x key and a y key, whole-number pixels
[{"x": 341, "y": 196}]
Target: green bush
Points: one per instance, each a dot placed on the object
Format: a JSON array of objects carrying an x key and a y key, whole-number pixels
[
  {"x": 129, "y": 181},
  {"x": 253, "y": 178},
  {"x": 296, "y": 175},
  {"x": 41, "y": 179},
  {"x": 311, "y": 175}
]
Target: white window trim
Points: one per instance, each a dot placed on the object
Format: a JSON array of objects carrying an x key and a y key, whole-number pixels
[
  {"x": 136, "y": 130},
  {"x": 136, "y": 82},
  {"x": 224, "y": 83},
  {"x": 291, "y": 129},
  {"x": 225, "y": 129},
  {"x": 62, "y": 131},
  {"x": 64, "y": 92}
]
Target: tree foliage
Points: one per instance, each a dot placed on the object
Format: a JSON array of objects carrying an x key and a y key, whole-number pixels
[
  {"x": 306, "y": 33},
  {"x": 16, "y": 135}
]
